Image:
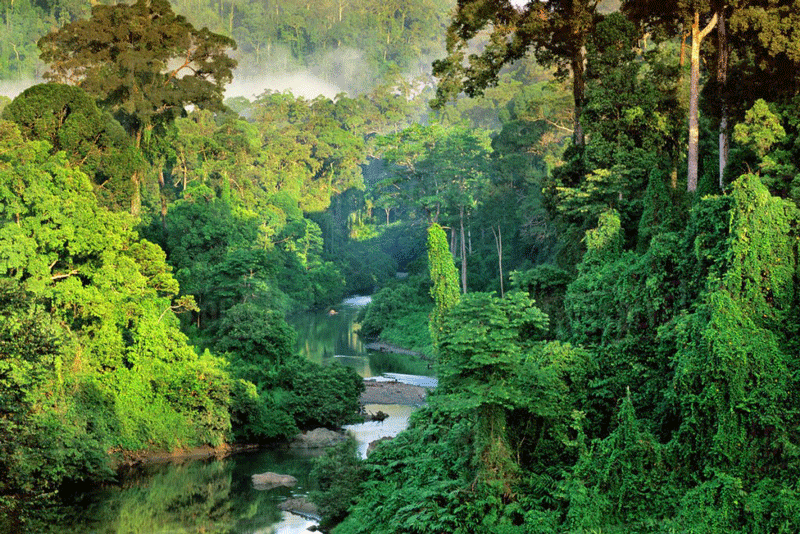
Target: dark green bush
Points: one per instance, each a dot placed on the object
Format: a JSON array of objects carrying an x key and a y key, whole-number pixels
[{"x": 320, "y": 395}]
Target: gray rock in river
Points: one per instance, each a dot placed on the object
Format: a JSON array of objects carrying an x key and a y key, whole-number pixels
[
  {"x": 268, "y": 481},
  {"x": 302, "y": 507},
  {"x": 319, "y": 438}
]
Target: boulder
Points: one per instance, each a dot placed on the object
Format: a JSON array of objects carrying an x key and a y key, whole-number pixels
[
  {"x": 380, "y": 416},
  {"x": 302, "y": 507},
  {"x": 268, "y": 481},
  {"x": 318, "y": 438}
]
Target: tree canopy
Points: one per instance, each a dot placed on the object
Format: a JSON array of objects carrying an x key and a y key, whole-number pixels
[{"x": 142, "y": 61}]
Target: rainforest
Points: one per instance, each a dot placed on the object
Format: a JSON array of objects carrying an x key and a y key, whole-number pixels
[{"x": 580, "y": 215}]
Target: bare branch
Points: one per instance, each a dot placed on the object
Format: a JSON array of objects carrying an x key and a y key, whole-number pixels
[{"x": 63, "y": 275}]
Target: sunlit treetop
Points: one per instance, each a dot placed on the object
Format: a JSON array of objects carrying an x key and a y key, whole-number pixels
[{"x": 141, "y": 61}]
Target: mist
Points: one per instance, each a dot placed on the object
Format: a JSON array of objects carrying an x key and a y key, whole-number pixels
[
  {"x": 328, "y": 73},
  {"x": 12, "y": 88}
]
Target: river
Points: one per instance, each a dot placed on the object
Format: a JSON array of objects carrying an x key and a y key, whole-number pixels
[{"x": 216, "y": 495}]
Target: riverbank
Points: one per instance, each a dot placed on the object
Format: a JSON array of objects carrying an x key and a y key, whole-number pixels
[
  {"x": 392, "y": 392},
  {"x": 381, "y": 346},
  {"x": 132, "y": 459}
]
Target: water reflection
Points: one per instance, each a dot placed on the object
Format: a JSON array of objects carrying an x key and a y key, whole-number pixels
[
  {"x": 324, "y": 337},
  {"x": 214, "y": 496},
  {"x": 324, "y": 334}
]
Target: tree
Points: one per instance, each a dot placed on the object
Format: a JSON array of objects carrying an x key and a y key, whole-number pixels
[
  {"x": 442, "y": 171},
  {"x": 755, "y": 56},
  {"x": 556, "y": 30},
  {"x": 735, "y": 371},
  {"x": 261, "y": 341},
  {"x": 669, "y": 16},
  {"x": 443, "y": 275},
  {"x": 69, "y": 119},
  {"x": 308, "y": 151},
  {"x": 115, "y": 368},
  {"x": 142, "y": 61},
  {"x": 632, "y": 121},
  {"x": 694, "y": 97}
]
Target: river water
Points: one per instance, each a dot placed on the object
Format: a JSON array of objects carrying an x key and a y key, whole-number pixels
[{"x": 216, "y": 495}]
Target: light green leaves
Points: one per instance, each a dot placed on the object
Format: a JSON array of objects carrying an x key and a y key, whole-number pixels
[{"x": 760, "y": 130}]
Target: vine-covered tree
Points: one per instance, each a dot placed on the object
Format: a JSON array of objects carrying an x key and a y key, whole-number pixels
[{"x": 443, "y": 274}]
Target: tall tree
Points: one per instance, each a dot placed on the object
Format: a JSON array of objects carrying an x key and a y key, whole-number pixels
[
  {"x": 755, "y": 56},
  {"x": 556, "y": 30},
  {"x": 443, "y": 170},
  {"x": 142, "y": 61},
  {"x": 699, "y": 17},
  {"x": 69, "y": 119}
]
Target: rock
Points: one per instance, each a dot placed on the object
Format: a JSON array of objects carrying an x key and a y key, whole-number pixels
[
  {"x": 268, "y": 481},
  {"x": 318, "y": 438},
  {"x": 380, "y": 416},
  {"x": 302, "y": 507},
  {"x": 374, "y": 444}
]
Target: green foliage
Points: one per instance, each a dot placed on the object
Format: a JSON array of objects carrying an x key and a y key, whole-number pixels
[
  {"x": 338, "y": 474},
  {"x": 589, "y": 294},
  {"x": 620, "y": 484},
  {"x": 632, "y": 120},
  {"x": 443, "y": 473},
  {"x": 660, "y": 213},
  {"x": 394, "y": 302},
  {"x": 320, "y": 395},
  {"x": 484, "y": 340},
  {"x": 257, "y": 418},
  {"x": 482, "y": 346},
  {"x": 259, "y": 339},
  {"x": 760, "y": 130},
  {"x": 688, "y": 313},
  {"x": 732, "y": 368},
  {"x": 68, "y": 119},
  {"x": 547, "y": 285},
  {"x": 107, "y": 368},
  {"x": 419, "y": 483}
]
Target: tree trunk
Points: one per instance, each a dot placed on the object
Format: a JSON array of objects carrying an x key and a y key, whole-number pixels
[
  {"x": 694, "y": 97},
  {"x": 498, "y": 243},
  {"x": 463, "y": 254},
  {"x": 136, "y": 198},
  {"x": 164, "y": 204},
  {"x": 578, "y": 94},
  {"x": 684, "y": 36},
  {"x": 722, "y": 88}
]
